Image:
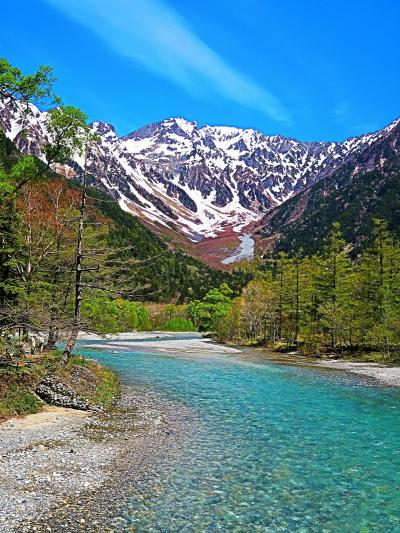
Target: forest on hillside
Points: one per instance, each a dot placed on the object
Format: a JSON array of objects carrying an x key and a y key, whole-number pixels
[{"x": 320, "y": 304}]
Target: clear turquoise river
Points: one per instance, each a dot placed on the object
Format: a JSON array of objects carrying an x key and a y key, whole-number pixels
[{"x": 276, "y": 448}]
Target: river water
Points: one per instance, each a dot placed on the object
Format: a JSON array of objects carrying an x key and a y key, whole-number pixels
[{"x": 271, "y": 448}]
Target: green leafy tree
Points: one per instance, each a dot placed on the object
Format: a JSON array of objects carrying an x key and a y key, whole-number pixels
[
  {"x": 206, "y": 313},
  {"x": 19, "y": 87},
  {"x": 105, "y": 315},
  {"x": 335, "y": 282},
  {"x": 17, "y": 90},
  {"x": 260, "y": 310},
  {"x": 379, "y": 290}
]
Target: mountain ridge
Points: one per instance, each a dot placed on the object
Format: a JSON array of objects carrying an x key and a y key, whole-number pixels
[
  {"x": 367, "y": 187},
  {"x": 242, "y": 128},
  {"x": 197, "y": 182}
]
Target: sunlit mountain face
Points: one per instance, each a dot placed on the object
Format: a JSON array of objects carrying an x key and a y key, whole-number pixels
[{"x": 197, "y": 181}]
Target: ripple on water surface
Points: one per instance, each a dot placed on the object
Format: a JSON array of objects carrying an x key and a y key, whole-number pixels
[{"x": 276, "y": 448}]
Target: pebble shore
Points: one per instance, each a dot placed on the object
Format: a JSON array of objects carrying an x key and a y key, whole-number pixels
[
  {"x": 383, "y": 374},
  {"x": 78, "y": 473}
]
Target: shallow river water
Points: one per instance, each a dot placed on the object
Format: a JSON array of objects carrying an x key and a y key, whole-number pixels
[{"x": 272, "y": 448}]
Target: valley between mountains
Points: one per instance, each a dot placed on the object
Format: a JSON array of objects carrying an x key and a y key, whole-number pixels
[{"x": 210, "y": 189}]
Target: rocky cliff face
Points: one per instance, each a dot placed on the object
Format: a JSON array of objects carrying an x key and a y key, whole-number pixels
[{"x": 198, "y": 181}]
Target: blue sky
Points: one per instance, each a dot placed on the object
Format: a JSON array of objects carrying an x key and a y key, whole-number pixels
[{"x": 314, "y": 70}]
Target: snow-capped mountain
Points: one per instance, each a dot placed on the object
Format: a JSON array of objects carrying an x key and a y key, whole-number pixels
[
  {"x": 367, "y": 187},
  {"x": 198, "y": 181}
]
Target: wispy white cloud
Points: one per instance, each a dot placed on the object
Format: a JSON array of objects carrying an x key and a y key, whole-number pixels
[{"x": 155, "y": 35}]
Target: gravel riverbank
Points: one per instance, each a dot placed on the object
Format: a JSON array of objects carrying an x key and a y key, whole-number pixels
[
  {"x": 76, "y": 473},
  {"x": 386, "y": 375}
]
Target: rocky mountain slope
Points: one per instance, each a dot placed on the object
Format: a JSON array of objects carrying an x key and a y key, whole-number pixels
[
  {"x": 364, "y": 187},
  {"x": 197, "y": 181}
]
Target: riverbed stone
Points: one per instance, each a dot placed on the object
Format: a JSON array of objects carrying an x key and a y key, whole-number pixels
[{"x": 54, "y": 477}]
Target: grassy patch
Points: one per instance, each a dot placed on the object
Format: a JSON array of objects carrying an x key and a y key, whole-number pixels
[
  {"x": 108, "y": 389},
  {"x": 88, "y": 379},
  {"x": 178, "y": 324},
  {"x": 374, "y": 357},
  {"x": 16, "y": 399}
]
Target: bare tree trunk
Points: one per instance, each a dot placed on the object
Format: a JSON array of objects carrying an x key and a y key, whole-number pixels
[
  {"x": 52, "y": 337},
  {"x": 78, "y": 272},
  {"x": 53, "y": 333}
]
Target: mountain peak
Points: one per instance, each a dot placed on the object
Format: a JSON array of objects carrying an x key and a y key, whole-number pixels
[{"x": 169, "y": 124}]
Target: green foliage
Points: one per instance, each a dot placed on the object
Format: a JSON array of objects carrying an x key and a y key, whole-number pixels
[
  {"x": 6, "y": 185},
  {"x": 169, "y": 317},
  {"x": 112, "y": 316},
  {"x": 25, "y": 168},
  {"x": 11, "y": 250},
  {"x": 108, "y": 388},
  {"x": 324, "y": 302},
  {"x": 37, "y": 87},
  {"x": 19, "y": 90},
  {"x": 96, "y": 383},
  {"x": 178, "y": 324},
  {"x": 87, "y": 378},
  {"x": 207, "y": 313},
  {"x": 18, "y": 400},
  {"x": 68, "y": 134},
  {"x": 222, "y": 295},
  {"x": 228, "y": 326}
]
